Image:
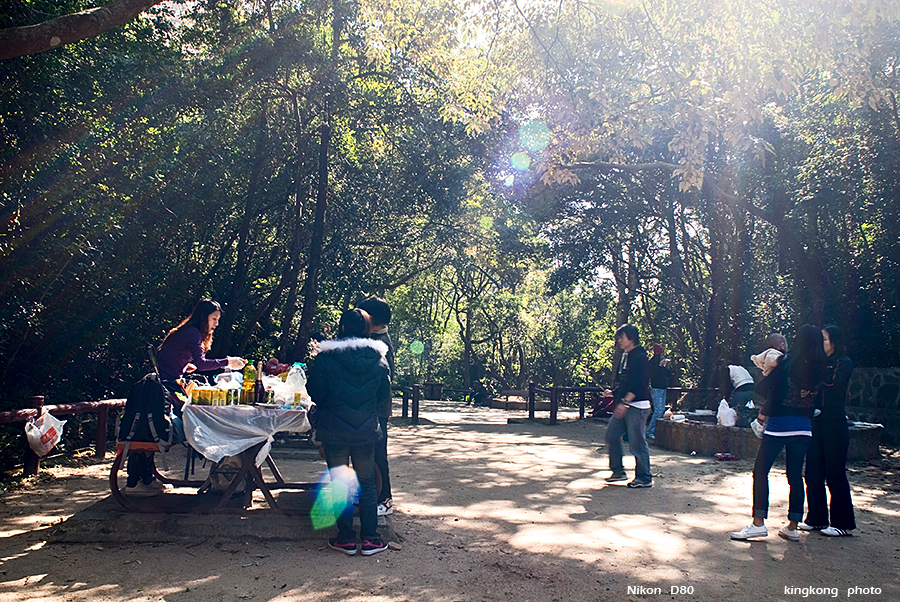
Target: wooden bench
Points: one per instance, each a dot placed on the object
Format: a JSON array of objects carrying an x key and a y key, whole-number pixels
[{"x": 506, "y": 404}]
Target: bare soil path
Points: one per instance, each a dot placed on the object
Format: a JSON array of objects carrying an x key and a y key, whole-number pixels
[{"x": 486, "y": 511}]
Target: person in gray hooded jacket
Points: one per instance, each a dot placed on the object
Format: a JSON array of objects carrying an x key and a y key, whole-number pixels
[{"x": 348, "y": 382}]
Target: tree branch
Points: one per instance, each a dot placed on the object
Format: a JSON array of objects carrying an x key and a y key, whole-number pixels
[{"x": 67, "y": 29}]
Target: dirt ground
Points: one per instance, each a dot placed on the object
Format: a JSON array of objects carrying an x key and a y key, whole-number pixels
[{"x": 485, "y": 510}]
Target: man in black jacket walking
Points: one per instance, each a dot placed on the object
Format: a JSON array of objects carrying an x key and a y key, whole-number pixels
[{"x": 632, "y": 395}]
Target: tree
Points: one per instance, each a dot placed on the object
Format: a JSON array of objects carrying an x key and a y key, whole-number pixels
[{"x": 70, "y": 28}]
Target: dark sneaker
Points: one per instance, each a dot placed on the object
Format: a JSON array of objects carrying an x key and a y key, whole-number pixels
[
  {"x": 635, "y": 484},
  {"x": 372, "y": 546},
  {"x": 348, "y": 548},
  {"x": 617, "y": 476}
]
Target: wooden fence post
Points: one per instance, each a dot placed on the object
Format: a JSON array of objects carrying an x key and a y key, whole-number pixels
[
  {"x": 405, "y": 403},
  {"x": 531, "y": 396},
  {"x": 554, "y": 404},
  {"x": 415, "y": 405},
  {"x": 581, "y": 404},
  {"x": 102, "y": 423},
  {"x": 32, "y": 463}
]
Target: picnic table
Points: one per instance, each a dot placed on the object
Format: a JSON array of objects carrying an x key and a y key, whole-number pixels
[{"x": 215, "y": 432}]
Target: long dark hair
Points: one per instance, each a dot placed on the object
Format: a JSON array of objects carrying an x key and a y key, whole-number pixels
[
  {"x": 355, "y": 323},
  {"x": 837, "y": 339},
  {"x": 199, "y": 319},
  {"x": 805, "y": 363}
]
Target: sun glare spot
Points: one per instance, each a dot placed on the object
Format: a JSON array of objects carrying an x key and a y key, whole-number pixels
[
  {"x": 520, "y": 161},
  {"x": 535, "y": 135}
]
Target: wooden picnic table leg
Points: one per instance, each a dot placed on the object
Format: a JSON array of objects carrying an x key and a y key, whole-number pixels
[
  {"x": 239, "y": 477},
  {"x": 275, "y": 472}
]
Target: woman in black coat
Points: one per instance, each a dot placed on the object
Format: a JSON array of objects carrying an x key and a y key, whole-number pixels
[
  {"x": 826, "y": 460},
  {"x": 348, "y": 382}
]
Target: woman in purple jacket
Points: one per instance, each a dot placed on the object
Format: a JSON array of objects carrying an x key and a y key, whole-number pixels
[
  {"x": 184, "y": 347},
  {"x": 183, "y": 350}
]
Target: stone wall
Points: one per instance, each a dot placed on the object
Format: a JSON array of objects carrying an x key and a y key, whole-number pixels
[
  {"x": 709, "y": 439},
  {"x": 875, "y": 397}
]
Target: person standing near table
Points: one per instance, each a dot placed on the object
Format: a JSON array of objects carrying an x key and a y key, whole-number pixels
[
  {"x": 350, "y": 381},
  {"x": 660, "y": 375},
  {"x": 826, "y": 459},
  {"x": 632, "y": 395},
  {"x": 380, "y": 312},
  {"x": 182, "y": 350}
]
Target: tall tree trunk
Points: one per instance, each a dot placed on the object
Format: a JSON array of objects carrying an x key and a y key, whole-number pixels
[
  {"x": 311, "y": 285},
  {"x": 240, "y": 284},
  {"x": 711, "y": 348}
]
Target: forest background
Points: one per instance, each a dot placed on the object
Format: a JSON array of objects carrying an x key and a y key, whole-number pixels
[{"x": 516, "y": 177}]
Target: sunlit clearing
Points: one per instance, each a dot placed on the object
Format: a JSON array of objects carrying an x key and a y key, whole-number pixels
[
  {"x": 333, "y": 499},
  {"x": 534, "y": 135},
  {"x": 520, "y": 161}
]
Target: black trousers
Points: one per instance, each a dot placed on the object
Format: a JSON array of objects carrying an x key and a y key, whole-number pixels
[
  {"x": 826, "y": 464},
  {"x": 381, "y": 461}
]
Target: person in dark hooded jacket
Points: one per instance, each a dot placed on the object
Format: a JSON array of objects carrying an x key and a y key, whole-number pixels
[{"x": 350, "y": 379}]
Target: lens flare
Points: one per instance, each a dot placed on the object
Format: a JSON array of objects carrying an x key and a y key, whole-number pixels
[
  {"x": 417, "y": 347},
  {"x": 520, "y": 161},
  {"x": 486, "y": 222},
  {"x": 334, "y": 498},
  {"x": 509, "y": 180},
  {"x": 535, "y": 135}
]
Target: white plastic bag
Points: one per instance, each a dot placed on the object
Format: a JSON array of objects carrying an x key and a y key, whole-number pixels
[
  {"x": 43, "y": 433},
  {"x": 726, "y": 415}
]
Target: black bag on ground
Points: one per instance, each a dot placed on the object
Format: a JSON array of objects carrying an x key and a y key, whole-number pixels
[{"x": 147, "y": 410}]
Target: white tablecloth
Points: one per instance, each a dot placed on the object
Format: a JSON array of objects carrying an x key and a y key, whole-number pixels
[{"x": 219, "y": 431}]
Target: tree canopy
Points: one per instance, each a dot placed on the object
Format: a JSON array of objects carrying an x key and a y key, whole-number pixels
[{"x": 515, "y": 178}]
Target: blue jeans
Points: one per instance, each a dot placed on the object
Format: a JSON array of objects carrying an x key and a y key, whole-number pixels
[
  {"x": 795, "y": 447},
  {"x": 635, "y": 424},
  {"x": 363, "y": 458},
  {"x": 658, "y": 398}
]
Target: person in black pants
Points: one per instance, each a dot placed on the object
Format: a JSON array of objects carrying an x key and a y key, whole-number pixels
[
  {"x": 380, "y": 312},
  {"x": 826, "y": 460}
]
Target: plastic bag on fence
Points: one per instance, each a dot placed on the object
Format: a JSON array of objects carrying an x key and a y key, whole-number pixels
[
  {"x": 726, "y": 415},
  {"x": 43, "y": 433}
]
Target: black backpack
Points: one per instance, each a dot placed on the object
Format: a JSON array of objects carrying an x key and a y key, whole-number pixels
[{"x": 146, "y": 415}]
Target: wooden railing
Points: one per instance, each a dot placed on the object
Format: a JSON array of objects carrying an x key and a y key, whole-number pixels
[{"x": 31, "y": 461}]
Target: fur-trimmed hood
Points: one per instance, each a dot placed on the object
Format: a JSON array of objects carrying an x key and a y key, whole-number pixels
[{"x": 353, "y": 343}]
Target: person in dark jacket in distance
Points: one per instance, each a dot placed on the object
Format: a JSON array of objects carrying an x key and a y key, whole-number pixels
[
  {"x": 660, "y": 375},
  {"x": 632, "y": 395},
  {"x": 350, "y": 380},
  {"x": 826, "y": 459}
]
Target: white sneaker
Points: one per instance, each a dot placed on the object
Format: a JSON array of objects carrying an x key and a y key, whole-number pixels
[
  {"x": 789, "y": 534},
  {"x": 751, "y": 531},
  {"x": 386, "y": 507},
  {"x": 805, "y": 527},
  {"x": 835, "y": 532},
  {"x": 142, "y": 490}
]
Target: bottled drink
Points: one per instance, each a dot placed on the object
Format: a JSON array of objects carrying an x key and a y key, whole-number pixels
[
  {"x": 259, "y": 390},
  {"x": 249, "y": 383}
]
